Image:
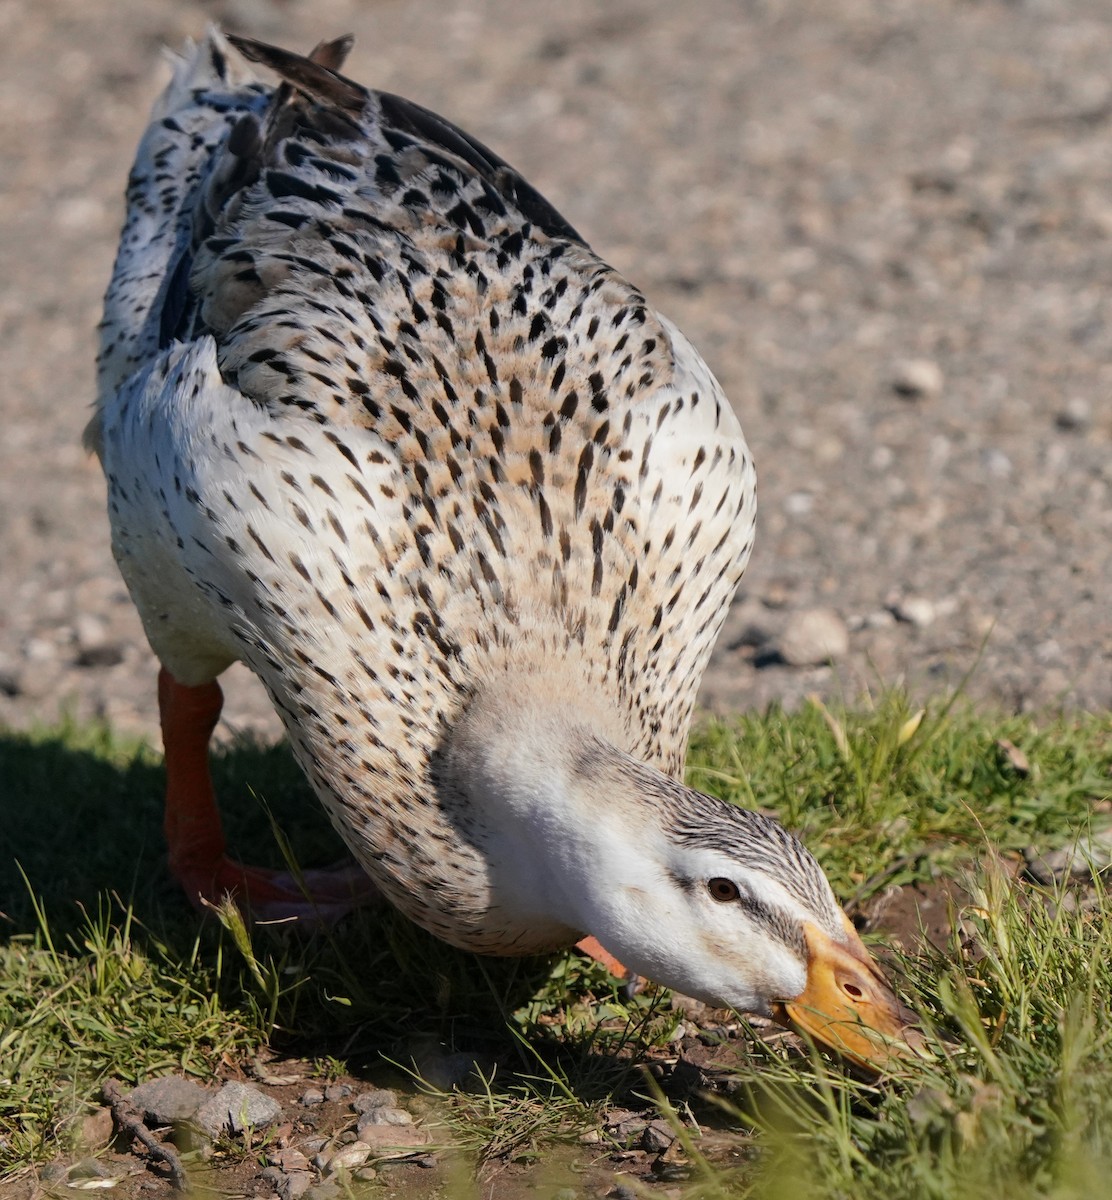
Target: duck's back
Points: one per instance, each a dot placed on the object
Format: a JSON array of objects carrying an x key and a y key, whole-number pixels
[{"x": 400, "y": 428}]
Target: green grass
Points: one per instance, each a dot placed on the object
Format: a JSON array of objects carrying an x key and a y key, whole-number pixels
[{"x": 104, "y": 971}]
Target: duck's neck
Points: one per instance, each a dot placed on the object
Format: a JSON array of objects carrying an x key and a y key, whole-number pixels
[{"x": 555, "y": 814}]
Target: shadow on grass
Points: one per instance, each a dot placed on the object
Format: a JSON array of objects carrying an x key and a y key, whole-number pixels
[
  {"x": 82, "y": 816},
  {"x": 80, "y": 834}
]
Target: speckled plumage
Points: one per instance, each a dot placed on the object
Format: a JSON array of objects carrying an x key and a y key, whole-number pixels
[{"x": 378, "y": 423}]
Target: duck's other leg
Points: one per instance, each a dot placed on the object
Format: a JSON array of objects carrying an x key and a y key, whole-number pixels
[
  {"x": 593, "y": 948},
  {"x": 198, "y": 850}
]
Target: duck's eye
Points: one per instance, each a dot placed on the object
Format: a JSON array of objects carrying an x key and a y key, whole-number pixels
[{"x": 724, "y": 890}]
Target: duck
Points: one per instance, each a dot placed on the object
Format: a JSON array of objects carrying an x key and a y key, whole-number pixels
[{"x": 377, "y": 422}]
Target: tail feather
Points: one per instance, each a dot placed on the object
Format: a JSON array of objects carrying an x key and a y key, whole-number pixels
[{"x": 315, "y": 76}]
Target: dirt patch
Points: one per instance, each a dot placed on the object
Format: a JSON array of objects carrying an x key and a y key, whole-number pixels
[{"x": 887, "y": 227}]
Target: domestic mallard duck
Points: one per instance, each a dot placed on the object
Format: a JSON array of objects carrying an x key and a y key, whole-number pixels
[{"x": 378, "y": 423}]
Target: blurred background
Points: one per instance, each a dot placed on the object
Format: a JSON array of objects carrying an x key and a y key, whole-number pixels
[{"x": 887, "y": 224}]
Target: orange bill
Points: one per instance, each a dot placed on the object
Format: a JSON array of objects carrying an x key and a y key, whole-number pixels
[{"x": 848, "y": 1005}]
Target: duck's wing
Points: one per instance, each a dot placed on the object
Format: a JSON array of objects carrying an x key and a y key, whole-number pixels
[{"x": 207, "y": 96}]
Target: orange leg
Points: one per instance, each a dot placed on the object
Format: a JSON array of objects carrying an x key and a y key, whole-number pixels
[{"x": 198, "y": 857}]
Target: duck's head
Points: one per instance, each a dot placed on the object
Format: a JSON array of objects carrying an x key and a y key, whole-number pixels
[
  {"x": 727, "y": 906},
  {"x": 718, "y": 902}
]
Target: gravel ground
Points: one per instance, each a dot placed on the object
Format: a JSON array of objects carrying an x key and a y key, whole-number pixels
[{"x": 886, "y": 223}]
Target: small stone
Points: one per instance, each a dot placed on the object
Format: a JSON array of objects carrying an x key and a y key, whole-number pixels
[
  {"x": 672, "y": 1164},
  {"x": 813, "y": 637},
  {"x": 917, "y": 378},
  {"x": 627, "y": 1130},
  {"x": 337, "y": 1091},
  {"x": 996, "y": 463},
  {"x": 1076, "y": 415},
  {"x": 879, "y": 618},
  {"x": 169, "y": 1100},
  {"x": 39, "y": 650},
  {"x": 915, "y": 610},
  {"x": 349, "y": 1157},
  {"x": 396, "y": 1141},
  {"x": 91, "y": 1168},
  {"x": 385, "y": 1116},
  {"x": 237, "y": 1106},
  {"x": 289, "y": 1160},
  {"x": 799, "y": 504},
  {"x": 311, "y": 1096},
  {"x": 364, "y": 1175},
  {"x": 103, "y": 656},
  {"x": 379, "y": 1098},
  {"x": 294, "y": 1185},
  {"x": 89, "y": 632},
  {"x": 658, "y": 1136},
  {"x": 96, "y": 1128}
]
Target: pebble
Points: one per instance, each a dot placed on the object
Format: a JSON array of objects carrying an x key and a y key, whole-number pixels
[
  {"x": 379, "y": 1098},
  {"x": 917, "y": 378},
  {"x": 89, "y": 632},
  {"x": 237, "y": 1106},
  {"x": 396, "y": 1140},
  {"x": 915, "y": 610},
  {"x": 311, "y": 1096},
  {"x": 338, "y": 1091},
  {"x": 996, "y": 462},
  {"x": 97, "y": 1128},
  {"x": 658, "y": 1136},
  {"x": 813, "y": 637},
  {"x": 1076, "y": 415},
  {"x": 348, "y": 1157},
  {"x": 798, "y": 504},
  {"x": 287, "y": 1185},
  {"x": 91, "y": 1168},
  {"x": 626, "y": 1128},
  {"x": 168, "y": 1100},
  {"x": 385, "y": 1116},
  {"x": 288, "y": 1160}
]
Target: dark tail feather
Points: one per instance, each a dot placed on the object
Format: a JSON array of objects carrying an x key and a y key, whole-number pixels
[
  {"x": 315, "y": 76},
  {"x": 332, "y": 54}
]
